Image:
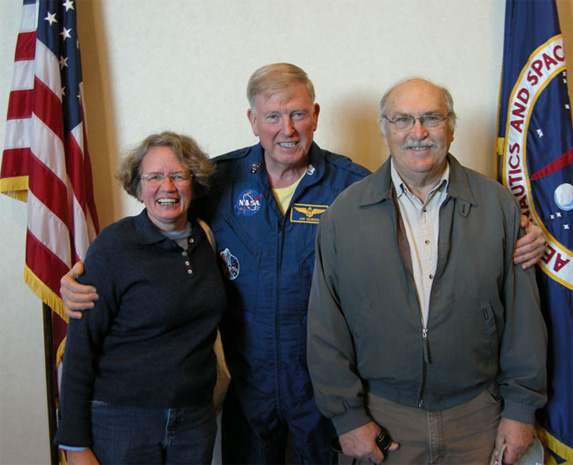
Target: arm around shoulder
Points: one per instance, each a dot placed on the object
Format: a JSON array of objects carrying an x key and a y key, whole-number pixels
[
  {"x": 530, "y": 248},
  {"x": 76, "y": 297}
]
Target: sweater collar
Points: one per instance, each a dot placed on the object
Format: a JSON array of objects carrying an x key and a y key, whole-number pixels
[{"x": 147, "y": 232}]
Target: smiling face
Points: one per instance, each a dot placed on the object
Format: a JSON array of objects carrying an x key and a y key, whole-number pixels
[
  {"x": 166, "y": 203},
  {"x": 285, "y": 122},
  {"x": 419, "y": 154}
]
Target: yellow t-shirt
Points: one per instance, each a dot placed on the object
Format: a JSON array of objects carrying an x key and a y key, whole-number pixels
[{"x": 283, "y": 195}]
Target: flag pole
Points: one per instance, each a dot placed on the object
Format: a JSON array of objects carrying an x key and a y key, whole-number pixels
[{"x": 50, "y": 381}]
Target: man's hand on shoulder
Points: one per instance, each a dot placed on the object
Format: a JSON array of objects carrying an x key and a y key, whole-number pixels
[
  {"x": 530, "y": 248},
  {"x": 516, "y": 437},
  {"x": 76, "y": 297},
  {"x": 361, "y": 443}
]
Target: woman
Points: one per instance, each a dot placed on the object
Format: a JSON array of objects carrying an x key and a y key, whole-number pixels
[{"x": 139, "y": 368}]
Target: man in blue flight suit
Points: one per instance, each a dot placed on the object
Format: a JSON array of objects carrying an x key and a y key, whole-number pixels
[{"x": 264, "y": 207}]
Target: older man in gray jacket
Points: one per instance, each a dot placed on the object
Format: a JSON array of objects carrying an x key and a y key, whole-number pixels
[{"x": 419, "y": 322}]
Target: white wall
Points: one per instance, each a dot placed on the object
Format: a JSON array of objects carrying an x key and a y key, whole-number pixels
[{"x": 183, "y": 65}]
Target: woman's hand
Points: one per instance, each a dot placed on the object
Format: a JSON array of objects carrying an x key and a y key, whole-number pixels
[{"x": 81, "y": 457}]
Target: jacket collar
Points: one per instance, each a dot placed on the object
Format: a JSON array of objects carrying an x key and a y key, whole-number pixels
[
  {"x": 316, "y": 165},
  {"x": 379, "y": 185}
]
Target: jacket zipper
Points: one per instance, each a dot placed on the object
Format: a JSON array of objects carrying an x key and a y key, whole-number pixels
[
  {"x": 427, "y": 361},
  {"x": 425, "y": 342},
  {"x": 426, "y": 346}
]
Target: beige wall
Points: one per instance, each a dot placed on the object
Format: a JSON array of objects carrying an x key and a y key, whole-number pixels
[{"x": 183, "y": 65}]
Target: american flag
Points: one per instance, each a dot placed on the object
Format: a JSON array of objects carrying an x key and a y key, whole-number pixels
[{"x": 45, "y": 160}]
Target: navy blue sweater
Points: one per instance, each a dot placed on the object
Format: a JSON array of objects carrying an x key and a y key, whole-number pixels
[{"x": 149, "y": 340}]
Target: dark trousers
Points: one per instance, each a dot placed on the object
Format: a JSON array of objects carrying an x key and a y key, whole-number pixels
[{"x": 247, "y": 440}]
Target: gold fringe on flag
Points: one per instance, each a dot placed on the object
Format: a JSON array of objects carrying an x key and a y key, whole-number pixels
[
  {"x": 500, "y": 146},
  {"x": 47, "y": 296},
  {"x": 15, "y": 187},
  {"x": 60, "y": 352}
]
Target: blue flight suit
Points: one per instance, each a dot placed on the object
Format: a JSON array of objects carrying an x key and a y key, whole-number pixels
[{"x": 269, "y": 259}]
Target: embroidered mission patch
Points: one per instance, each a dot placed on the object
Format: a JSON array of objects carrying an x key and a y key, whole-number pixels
[{"x": 232, "y": 267}]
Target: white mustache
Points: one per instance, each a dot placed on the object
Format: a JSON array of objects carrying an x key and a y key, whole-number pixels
[{"x": 417, "y": 145}]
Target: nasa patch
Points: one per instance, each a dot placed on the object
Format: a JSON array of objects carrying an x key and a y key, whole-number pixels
[
  {"x": 232, "y": 267},
  {"x": 248, "y": 203}
]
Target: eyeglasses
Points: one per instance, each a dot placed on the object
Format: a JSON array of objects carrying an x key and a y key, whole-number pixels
[
  {"x": 407, "y": 122},
  {"x": 157, "y": 179}
]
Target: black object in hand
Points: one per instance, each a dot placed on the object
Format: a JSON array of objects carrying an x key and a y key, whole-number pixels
[{"x": 383, "y": 441}]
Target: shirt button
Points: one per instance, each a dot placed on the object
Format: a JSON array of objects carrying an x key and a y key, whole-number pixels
[
  {"x": 191, "y": 240},
  {"x": 184, "y": 253},
  {"x": 189, "y": 271},
  {"x": 431, "y": 276},
  {"x": 187, "y": 263},
  {"x": 427, "y": 242}
]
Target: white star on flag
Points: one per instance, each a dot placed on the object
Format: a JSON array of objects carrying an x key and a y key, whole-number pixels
[
  {"x": 69, "y": 5},
  {"x": 66, "y": 34},
  {"x": 51, "y": 18}
]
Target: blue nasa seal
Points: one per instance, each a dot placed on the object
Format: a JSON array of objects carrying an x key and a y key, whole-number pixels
[
  {"x": 537, "y": 154},
  {"x": 248, "y": 203}
]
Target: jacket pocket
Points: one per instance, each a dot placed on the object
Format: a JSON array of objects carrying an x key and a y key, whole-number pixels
[{"x": 490, "y": 328}]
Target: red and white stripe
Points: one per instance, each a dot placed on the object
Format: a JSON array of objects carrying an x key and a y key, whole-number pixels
[{"x": 45, "y": 167}]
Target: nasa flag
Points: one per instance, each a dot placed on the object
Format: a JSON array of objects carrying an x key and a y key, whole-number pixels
[{"x": 534, "y": 155}]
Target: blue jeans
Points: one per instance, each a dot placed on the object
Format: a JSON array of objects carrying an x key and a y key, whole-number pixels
[{"x": 134, "y": 435}]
